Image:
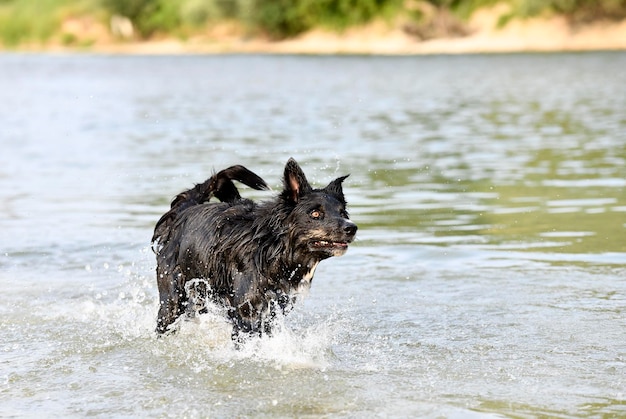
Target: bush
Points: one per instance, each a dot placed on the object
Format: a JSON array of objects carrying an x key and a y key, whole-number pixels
[
  {"x": 278, "y": 18},
  {"x": 131, "y": 9},
  {"x": 29, "y": 20},
  {"x": 153, "y": 16},
  {"x": 589, "y": 10},
  {"x": 286, "y": 18}
]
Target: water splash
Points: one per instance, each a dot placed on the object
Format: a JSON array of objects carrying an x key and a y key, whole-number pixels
[{"x": 289, "y": 347}]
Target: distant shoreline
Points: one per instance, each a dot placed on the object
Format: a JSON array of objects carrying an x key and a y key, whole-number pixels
[{"x": 531, "y": 35}]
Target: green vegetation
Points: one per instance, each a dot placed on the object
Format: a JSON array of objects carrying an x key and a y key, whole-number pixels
[
  {"x": 40, "y": 21},
  {"x": 274, "y": 18},
  {"x": 23, "y": 21}
]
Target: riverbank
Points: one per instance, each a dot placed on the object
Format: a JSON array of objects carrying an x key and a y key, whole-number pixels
[{"x": 543, "y": 34}]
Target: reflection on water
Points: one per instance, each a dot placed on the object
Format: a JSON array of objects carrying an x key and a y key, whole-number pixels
[
  {"x": 487, "y": 275},
  {"x": 515, "y": 166}
]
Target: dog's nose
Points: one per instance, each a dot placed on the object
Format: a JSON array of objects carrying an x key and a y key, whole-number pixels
[{"x": 350, "y": 229}]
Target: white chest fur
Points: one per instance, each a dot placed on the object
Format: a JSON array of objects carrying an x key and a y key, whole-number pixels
[{"x": 305, "y": 282}]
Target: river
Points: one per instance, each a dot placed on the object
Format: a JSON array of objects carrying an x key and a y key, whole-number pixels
[{"x": 488, "y": 275}]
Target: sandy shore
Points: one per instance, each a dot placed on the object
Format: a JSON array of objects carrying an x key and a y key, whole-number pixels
[{"x": 539, "y": 35}]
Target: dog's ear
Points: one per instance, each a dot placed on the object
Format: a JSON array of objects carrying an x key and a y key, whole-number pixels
[
  {"x": 335, "y": 189},
  {"x": 295, "y": 182}
]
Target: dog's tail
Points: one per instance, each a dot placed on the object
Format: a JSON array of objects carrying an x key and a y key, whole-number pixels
[{"x": 220, "y": 185}]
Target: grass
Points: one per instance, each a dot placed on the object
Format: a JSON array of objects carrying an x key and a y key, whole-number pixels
[{"x": 37, "y": 21}]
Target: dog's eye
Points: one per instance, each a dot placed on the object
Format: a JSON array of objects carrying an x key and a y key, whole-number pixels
[{"x": 316, "y": 214}]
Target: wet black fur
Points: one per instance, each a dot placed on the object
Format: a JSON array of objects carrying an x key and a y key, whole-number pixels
[{"x": 253, "y": 258}]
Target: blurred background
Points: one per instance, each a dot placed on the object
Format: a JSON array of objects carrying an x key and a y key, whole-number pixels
[{"x": 235, "y": 24}]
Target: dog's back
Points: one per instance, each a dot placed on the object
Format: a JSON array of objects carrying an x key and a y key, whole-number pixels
[{"x": 220, "y": 185}]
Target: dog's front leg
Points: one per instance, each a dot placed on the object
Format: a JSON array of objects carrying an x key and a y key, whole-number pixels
[
  {"x": 250, "y": 306},
  {"x": 246, "y": 322},
  {"x": 253, "y": 320},
  {"x": 171, "y": 297}
]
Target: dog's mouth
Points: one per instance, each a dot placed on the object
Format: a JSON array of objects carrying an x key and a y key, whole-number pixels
[
  {"x": 328, "y": 248},
  {"x": 326, "y": 244}
]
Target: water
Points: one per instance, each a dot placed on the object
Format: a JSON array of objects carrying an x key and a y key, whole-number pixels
[{"x": 488, "y": 275}]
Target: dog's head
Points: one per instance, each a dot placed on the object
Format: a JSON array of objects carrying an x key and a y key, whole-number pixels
[{"x": 319, "y": 222}]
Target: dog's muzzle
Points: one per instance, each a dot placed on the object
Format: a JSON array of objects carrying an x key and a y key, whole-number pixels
[{"x": 336, "y": 246}]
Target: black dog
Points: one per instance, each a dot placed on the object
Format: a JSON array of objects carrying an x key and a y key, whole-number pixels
[{"x": 252, "y": 258}]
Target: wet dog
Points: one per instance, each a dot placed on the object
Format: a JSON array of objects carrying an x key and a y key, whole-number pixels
[{"x": 251, "y": 258}]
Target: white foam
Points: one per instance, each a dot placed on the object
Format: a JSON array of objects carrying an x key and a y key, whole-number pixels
[{"x": 288, "y": 348}]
